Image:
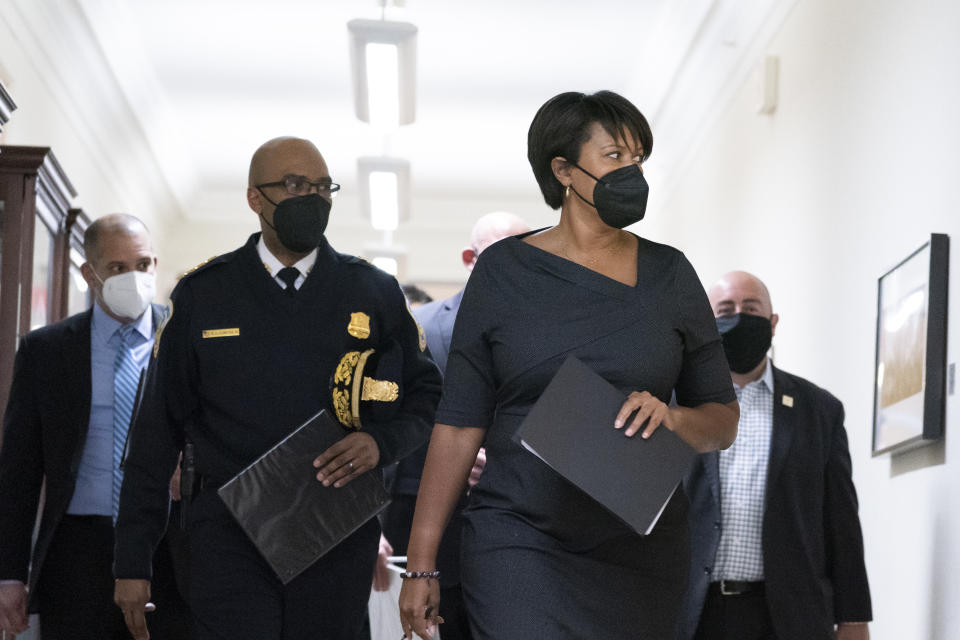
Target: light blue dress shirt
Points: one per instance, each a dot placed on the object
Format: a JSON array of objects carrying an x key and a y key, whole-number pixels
[{"x": 93, "y": 492}]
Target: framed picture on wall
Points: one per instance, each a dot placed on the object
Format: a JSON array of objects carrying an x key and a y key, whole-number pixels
[{"x": 910, "y": 367}]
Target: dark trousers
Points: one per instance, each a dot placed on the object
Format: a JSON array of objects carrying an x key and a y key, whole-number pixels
[
  {"x": 735, "y": 617},
  {"x": 456, "y": 625},
  {"x": 75, "y": 589},
  {"x": 235, "y": 594},
  {"x": 171, "y": 563}
]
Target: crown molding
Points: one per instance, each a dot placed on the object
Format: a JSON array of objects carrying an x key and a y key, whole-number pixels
[
  {"x": 730, "y": 39},
  {"x": 69, "y": 60},
  {"x": 670, "y": 42},
  {"x": 115, "y": 29}
]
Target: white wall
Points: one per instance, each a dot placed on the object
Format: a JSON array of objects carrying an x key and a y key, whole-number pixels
[
  {"x": 68, "y": 100},
  {"x": 856, "y": 168}
]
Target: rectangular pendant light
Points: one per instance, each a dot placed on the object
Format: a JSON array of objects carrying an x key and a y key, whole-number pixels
[
  {"x": 384, "y": 190},
  {"x": 383, "y": 65}
]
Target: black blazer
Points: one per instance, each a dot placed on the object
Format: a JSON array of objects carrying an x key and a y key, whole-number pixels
[
  {"x": 44, "y": 432},
  {"x": 812, "y": 543}
]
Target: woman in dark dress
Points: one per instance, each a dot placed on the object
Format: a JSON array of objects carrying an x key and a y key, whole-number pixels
[{"x": 540, "y": 558}]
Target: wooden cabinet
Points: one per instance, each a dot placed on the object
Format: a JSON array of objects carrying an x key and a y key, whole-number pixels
[{"x": 41, "y": 247}]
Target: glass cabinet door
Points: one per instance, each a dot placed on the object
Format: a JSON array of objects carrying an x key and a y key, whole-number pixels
[
  {"x": 78, "y": 293},
  {"x": 35, "y": 195},
  {"x": 42, "y": 294}
]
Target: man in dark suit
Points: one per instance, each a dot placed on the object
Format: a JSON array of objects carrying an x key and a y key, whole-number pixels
[
  {"x": 437, "y": 319},
  {"x": 777, "y": 550},
  {"x": 62, "y": 427}
]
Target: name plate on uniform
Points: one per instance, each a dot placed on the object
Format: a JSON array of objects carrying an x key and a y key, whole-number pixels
[{"x": 221, "y": 333}]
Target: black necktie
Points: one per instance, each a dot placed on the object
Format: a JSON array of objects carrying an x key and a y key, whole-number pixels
[{"x": 289, "y": 275}]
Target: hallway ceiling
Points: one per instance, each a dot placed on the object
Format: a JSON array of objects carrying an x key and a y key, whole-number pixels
[{"x": 210, "y": 80}]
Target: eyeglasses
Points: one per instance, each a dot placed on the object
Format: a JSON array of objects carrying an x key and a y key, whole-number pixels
[{"x": 300, "y": 186}]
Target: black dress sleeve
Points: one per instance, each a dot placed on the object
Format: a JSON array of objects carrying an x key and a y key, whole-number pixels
[
  {"x": 469, "y": 388},
  {"x": 705, "y": 374}
]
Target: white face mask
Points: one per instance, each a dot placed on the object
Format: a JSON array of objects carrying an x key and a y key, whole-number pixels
[{"x": 127, "y": 295}]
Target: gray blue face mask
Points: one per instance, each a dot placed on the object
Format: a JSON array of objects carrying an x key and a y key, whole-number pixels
[{"x": 620, "y": 196}]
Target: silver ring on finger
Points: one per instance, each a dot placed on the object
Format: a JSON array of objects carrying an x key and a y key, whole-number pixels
[{"x": 350, "y": 464}]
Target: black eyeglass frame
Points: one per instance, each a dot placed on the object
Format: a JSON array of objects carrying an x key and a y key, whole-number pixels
[{"x": 323, "y": 186}]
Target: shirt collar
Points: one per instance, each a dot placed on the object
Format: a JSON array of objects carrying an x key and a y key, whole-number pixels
[
  {"x": 273, "y": 265},
  {"x": 103, "y": 326},
  {"x": 766, "y": 378}
]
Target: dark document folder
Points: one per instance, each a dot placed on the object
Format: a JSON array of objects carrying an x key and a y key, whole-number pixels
[
  {"x": 290, "y": 516},
  {"x": 571, "y": 429}
]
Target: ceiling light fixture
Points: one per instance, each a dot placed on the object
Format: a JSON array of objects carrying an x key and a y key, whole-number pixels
[
  {"x": 392, "y": 259},
  {"x": 384, "y": 190},
  {"x": 383, "y": 65}
]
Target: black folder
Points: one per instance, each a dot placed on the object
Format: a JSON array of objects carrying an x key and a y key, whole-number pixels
[
  {"x": 571, "y": 429},
  {"x": 288, "y": 514}
]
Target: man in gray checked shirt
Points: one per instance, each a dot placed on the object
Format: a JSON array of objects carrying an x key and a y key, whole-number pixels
[{"x": 777, "y": 550}]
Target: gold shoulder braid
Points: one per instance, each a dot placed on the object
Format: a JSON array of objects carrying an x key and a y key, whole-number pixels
[{"x": 192, "y": 269}]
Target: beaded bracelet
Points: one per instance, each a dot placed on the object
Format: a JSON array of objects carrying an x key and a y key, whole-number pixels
[{"x": 406, "y": 575}]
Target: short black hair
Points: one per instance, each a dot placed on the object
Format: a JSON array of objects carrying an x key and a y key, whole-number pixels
[
  {"x": 415, "y": 295},
  {"x": 562, "y": 125}
]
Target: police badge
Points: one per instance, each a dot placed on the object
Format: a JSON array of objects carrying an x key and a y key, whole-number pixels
[{"x": 359, "y": 326}]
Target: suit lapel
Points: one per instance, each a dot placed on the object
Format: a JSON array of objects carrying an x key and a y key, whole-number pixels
[
  {"x": 446, "y": 318},
  {"x": 784, "y": 424},
  {"x": 79, "y": 385}
]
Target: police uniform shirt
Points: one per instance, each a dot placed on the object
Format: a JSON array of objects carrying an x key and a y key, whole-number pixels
[
  {"x": 240, "y": 364},
  {"x": 274, "y": 266}
]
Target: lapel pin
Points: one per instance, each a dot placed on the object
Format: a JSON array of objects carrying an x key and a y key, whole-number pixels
[{"x": 787, "y": 401}]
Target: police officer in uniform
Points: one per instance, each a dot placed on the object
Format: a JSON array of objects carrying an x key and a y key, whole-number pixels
[{"x": 247, "y": 355}]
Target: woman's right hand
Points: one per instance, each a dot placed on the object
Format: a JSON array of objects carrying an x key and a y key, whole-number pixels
[{"x": 419, "y": 607}]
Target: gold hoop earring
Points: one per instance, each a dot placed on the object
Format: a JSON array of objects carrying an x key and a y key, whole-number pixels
[{"x": 566, "y": 193}]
